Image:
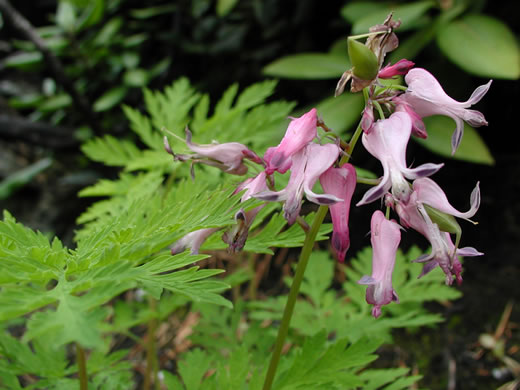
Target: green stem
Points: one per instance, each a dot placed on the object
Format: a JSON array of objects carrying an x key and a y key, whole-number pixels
[
  {"x": 81, "y": 361},
  {"x": 298, "y": 276},
  {"x": 151, "y": 353},
  {"x": 293, "y": 294}
]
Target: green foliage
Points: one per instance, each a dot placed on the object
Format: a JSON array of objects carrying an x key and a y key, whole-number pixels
[
  {"x": 472, "y": 148},
  {"x": 346, "y": 313},
  {"x": 481, "y": 45},
  {"x": 333, "y": 336}
]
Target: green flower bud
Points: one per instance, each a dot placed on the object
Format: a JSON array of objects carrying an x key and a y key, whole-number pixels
[{"x": 364, "y": 62}]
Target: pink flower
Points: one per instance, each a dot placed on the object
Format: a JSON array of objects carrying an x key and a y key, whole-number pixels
[
  {"x": 401, "y": 67},
  {"x": 418, "y": 127},
  {"x": 427, "y": 97},
  {"x": 193, "y": 240},
  {"x": 307, "y": 166},
  {"x": 387, "y": 141},
  {"x": 385, "y": 237},
  {"x": 341, "y": 183},
  {"x": 300, "y": 132},
  {"x": 228, "y": 156},
  {"x": 413, "y": 214}
]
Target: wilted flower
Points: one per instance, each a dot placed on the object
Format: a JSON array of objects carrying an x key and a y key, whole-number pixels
[
  {"x": 227, "y": 156},
  {"x": 236, "y": 237},
  {"x": 387, "y": 141},
  {"x": 427, "y": 97},
  {"x": 341, "y": 183},
  {"x": 385, "y": 237},
  {"x": 193, "y": 240},
  {"x": 307, "y": 166},
  {"x": 300, "y": 132}
]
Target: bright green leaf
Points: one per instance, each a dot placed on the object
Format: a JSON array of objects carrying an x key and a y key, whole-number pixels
[
  {"x": 481, "y": 45},
  {"x": 308, "y": 66},
  {"x": 471, "y": 149}
]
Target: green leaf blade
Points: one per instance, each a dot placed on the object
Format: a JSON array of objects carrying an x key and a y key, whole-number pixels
[{"x": 481, "y": 45}]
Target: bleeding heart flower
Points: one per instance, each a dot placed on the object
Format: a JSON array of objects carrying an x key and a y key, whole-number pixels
[
  {"x": 426, "y": 96},
  {"x": 385, "y": 237}
]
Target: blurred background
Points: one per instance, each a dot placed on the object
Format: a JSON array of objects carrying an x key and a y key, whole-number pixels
[{"x": 68, "y": 66}]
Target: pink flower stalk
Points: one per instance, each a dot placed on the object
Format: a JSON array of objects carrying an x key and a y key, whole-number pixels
[
  {"x": 227, "y": 156},
  {"x": 193, "y": 240},
  {"x": 401, "y": 67},
  {"x": 385, "y": 237},
  {"x": 341, "y": 183},
  {"x": 413, "y": 214},
  {"x": 307, "y": 166},
  {"x": 236, "y": 237},
  {"x": 300, "y": 132},
  {"x": 387, "y": 142},
  {"x": 427, "y": 98}
]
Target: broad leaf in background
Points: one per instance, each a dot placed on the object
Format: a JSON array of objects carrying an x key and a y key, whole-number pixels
[
  {"x": 308, "y": 66},
  {"x": 471, "y": 149},
  {"x": 365, "y": 15},
  {"x": 336, "y": 117},
  {"x": 481, "y": 45}
]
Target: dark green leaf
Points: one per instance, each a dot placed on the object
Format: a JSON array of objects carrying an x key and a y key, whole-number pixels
[
  {"x": 110, "y": 98},
  {"x": 23, "y": 60},
  {"x": 342, "y": 112},
  {"x": 56, "y": 102},
  {"x": 471, "y": 149},
  {"x": 135, "y": 77},
  {"x": 481, "y": 45},
  {"x": 409, "y": 15},
  {"x": 308, "y": 66},
  {"x": 18, "y": 179}
]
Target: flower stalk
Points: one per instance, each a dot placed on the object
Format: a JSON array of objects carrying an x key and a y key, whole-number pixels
[
  {"x": 310, "y": 238},
  {"x": 81, "y": 361}
]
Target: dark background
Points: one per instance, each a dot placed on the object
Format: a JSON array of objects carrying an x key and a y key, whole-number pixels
[{"x": 215, "y": 52}]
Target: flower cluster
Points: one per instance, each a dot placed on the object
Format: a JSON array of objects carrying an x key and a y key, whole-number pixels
[{"x": 392, "y": 115}]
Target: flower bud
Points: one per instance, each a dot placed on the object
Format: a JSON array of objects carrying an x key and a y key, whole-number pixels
[{"x": 364, "y": 62}]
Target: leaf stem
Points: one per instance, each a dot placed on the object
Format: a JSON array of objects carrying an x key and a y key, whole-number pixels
[
  {"x": 81, "y": 361},
  {"x": 298, "y": 276}
]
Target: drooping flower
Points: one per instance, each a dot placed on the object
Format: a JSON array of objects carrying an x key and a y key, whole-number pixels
[
  {"x": 307, "y": 166},
  {"x": 426, "y": 96},
  {"x": 418, "y": 127},
  {"x": 300, "y": 132},
  {"x": 387, "y": 141},
  {"x": 401, "y": 67},
  {"x": 192, "y": 240},
  {"x": 236, "y": 236},
  {"x": 385, "y": 236},
  {"x": 341, "y": 183},
  {"x": 415, "y": 215},
  {"x": 227, "y": 156}
]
